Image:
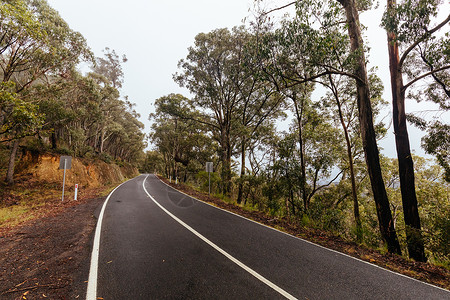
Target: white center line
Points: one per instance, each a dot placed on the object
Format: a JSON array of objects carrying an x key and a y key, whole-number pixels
[
  {"x": 226, "y": 254},
  {"x": 91, "y": 293}
]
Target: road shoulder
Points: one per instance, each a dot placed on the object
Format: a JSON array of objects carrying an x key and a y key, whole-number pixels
[{"x": 49, "y": 257}]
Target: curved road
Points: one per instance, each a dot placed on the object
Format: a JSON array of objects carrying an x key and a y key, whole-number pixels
[{"x": 156, "y": 243}]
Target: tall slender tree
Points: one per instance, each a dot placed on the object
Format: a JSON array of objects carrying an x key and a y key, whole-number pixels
[
  {"x": 409, "y": 28},
  {"x": 315, "y": 52}
]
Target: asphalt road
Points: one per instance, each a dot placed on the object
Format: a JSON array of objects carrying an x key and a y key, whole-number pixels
[{"x": 157, "y": 243}]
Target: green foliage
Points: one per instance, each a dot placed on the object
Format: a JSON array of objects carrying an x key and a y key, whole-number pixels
[
  {"x": 182, "y": 141},
  {"x": 63, "y": 151},
  {"x": 410, "y": 19},
  {"x": 18, "y": 118},
  {"x": 439, "y": 238},
  {"x": 43, "y": 94},
  {"x": 326, "y": 217},
  {"x": 203, "y": 179},
  {"x": 106, "y": 158},
  {"x": 36, "y": 146},
  {"x": 153, "y": 163},
  {"x": 434, "y": 207},
  {"x": 437, "y": 142}
]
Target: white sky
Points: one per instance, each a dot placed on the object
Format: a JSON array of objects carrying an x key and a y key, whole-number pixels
[{"x": 155, "y": 35}]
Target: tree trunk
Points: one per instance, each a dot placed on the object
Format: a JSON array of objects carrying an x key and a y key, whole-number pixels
[
  {"x": 241, "y": 185},
  {"x": 12, "y": 161},
  {"x": 405, "y": 162},
  {"x": 368, "y": 136},
  {"x": 226, "y": 164},
  {"x": 350, "y": 164},
  {"x": 54, "y": 140},
  {"x": 299, "y": 114},
  {"x": 228, "y": 173},
  {"x": 102, "y": 140},
  {"x": 356, "y": 214}
]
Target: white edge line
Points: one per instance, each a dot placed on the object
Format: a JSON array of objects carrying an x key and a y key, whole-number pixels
[
  {"x": 223, "y": 252},
  {"x": 312, "y": 243},
  {"x": 91, "y": 293}
]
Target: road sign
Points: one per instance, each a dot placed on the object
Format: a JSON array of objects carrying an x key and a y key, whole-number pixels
[
  {"x": 209, "y": 169},
  {"x": 65, "y": 162}
]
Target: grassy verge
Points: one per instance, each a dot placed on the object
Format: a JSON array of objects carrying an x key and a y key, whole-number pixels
[{"x": 29, "y": 200}]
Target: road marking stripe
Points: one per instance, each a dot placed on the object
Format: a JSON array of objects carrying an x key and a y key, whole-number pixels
[
  {"x": 237, "y": 262},
  {"x": 91, "y": 293},
  {"x": 309, "y": 242}
]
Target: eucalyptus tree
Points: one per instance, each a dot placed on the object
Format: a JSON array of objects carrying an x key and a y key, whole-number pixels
[
  {"x": 19, "y": 118},
  {"x": 437, "y": 142},
  {"x": 35, "y": 43},
  {"x": 65, "y": 102},
  {"x": 342, "y": 94},
  {"x": 110, "y": 105},
  {"x": 340, "y": 102},
  {"x": 318, "y": 143},
  {"x": 215, "y": 73},
  {"x": 303, "y": 158},
  {"x": 110, "y": 66},
  {"x": 284, "y": 174},
  {"x": 179, "y": 137},
  {"x": 126, "y": 139},
  {"x": 107, "y": 72},
  {"x": 260, "y": 104},
  {"x": 304, "y": 49},
  {"x": 416, "y": 50}
]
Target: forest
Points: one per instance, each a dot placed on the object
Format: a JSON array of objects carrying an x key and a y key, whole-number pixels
[
  {"x": 308, "y": 68},
  {"x": 324, "y": 171},
  {"x": 47, "y": 103}
]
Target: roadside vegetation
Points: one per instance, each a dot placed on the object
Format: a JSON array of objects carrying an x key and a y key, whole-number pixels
[
  {"x": 47, "y": 104},
  {"x": 325, "y": 170},
  {"x": 48, "y": 107}
]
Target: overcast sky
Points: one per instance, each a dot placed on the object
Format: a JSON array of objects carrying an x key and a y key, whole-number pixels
[{"x": 155, "y": 35}]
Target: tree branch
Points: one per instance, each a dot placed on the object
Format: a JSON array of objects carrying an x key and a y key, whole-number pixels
[
  {"x": 424, "y": 75},
  {"x": 421, "y": 39},
  {"x": 278, "y": 8}
]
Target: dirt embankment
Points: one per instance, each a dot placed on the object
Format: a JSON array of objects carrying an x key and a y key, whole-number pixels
[
  {"x": 38, "y": 185},
  {"x": 84, "y": 172}
]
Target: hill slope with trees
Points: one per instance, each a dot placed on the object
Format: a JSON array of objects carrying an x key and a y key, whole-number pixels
[{"x": 326, "y": 170}]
